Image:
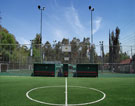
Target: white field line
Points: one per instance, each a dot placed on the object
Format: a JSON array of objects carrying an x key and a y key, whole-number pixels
[
  {"x": 66, "y": 99},
  {"x": 46, "y": 103}
]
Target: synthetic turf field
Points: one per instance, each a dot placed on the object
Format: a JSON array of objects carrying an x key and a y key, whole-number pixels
[{"x": 119, "y": 91}]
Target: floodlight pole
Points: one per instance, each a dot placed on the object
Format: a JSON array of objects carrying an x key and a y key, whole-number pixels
[
  {"x": 31, "y": 54},
  {"x": 41, "y": 27},
  {"x": 39, "y": 7},
  {"x": 91, "y": 29},
  {"x": 102, "y": 53},
  {"x": 0, "y": 17},
  {"x": 92, "y": 47},
  {"x": 31, "y": 48}
]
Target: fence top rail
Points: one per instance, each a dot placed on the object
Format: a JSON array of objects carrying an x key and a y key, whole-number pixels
[
  {"x": 14, "y": 44},
  {"x": 69, "y": 44}
]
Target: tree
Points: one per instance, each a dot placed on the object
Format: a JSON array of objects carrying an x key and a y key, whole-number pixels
[
  {"x": 133, "y": 62},
  {"x": 110, "y": 47},
  {"x": 37, "y": 48},
  {"x": 37, "y": 41},
  {"x": 106, "y": 58},
  {"x": 75, "y": 50},
  {"x": 48, "y": 51},
  {"x": 124, "y": 56},
  {"x": 65, "y": 41},
  {"x": 85, "y": 47},
  {"x": 57, "y": 51},
  {"x": 8, "y": 44},
  {"x": 114, "y": 46},
  {"x": 20, "y": 55}
]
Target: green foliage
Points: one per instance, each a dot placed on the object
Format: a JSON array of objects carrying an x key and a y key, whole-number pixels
[
  {"x": 75, "y": 50},
  {"x": 57, "y": 51},
  {"x": 85, "y": 45},
  {"x": 48, "y": 51},
  {"x": 36, "y": 47},
  {"x": 114, "y": 46},
  {"x": 37, "y": 41},
  {"x": 11, "y": 51},
  {"x": 65, "y": 41},
  {"x": 7, "y": 38},
  {"x": 8, "y": 44},
  {"x": 124, "y": 56},
  {"x": 106, "y": 58},
  {"x": 133, "y": 62}
]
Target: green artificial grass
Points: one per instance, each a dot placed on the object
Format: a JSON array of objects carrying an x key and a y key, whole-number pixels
[{"x": 119, "y": 91}]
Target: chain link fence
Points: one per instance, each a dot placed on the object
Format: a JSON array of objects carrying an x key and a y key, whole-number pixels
[{"x": 21, "y": 57}]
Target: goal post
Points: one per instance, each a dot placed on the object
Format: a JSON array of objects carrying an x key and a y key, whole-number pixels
[{"x": 3, "y": 67}]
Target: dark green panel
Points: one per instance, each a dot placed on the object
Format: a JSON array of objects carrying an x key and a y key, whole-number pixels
[
  {"x": 44, "y": 67},
  {"x": 87, "y": 70},
  {"x": 87, "y": 67},
  {"x": 44, "y": 70}
]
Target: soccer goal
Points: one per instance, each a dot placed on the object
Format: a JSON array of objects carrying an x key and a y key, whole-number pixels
[{"x": 3, "y": 67}]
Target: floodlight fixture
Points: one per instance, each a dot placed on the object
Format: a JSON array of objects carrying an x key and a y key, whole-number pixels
[
  {"x": 43, "y": 8},
  {"x": 92, "y": 9},
  {"x": 89, "y": 7},
  {"x": 38, "y": 6}
]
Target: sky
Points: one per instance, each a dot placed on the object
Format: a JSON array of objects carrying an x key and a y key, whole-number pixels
[{"x": 68, "y": 19}]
